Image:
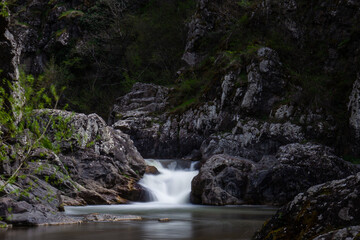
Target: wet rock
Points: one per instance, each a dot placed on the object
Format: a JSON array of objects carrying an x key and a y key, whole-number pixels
[
  {"x": 68, "y": 201},
  {"x": 96, "y": 217},
  {"x": 325, "y": 211},
  {"x": 23, "y": 213},
  {"x": 164, "y": 219},
  {"x": 222, "y": 180},
  {"x": 152, "y": 170}
]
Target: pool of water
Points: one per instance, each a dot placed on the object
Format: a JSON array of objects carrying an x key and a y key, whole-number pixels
[{"x": 186, "y": 222}]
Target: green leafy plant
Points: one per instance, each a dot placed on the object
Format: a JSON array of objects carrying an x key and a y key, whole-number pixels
[
  {"x": 3, "y": 9},
  {"x": 18, "y": 120}
]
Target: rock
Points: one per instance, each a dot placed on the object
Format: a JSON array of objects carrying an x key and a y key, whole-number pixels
[
  {"x": 152, "y": 170},
  {"x": 141, "y": 101},
  {"x": 274, "y": 180},
  {"x": 252, "y": 139},
  {"x": 134, "y": 115},
  {"x": 96, "y": 165},
  {"x": 265, "y": 82},
  {"x": 164, "y": 219},
  {"x": 296, "y": 167},
  {"x": 222, "y": 180},
  {"x": 9, "y": 63},
  {"x": 23, "y": 213},
  {"x": 344, "y": 233},
  {"x": 325, "y": 211},
  {"x": 99, "y": 158},
  {"x": 68, "y": 201},
  {"x": 354, "y": 120},
  {"x": 96, "y": 217}
]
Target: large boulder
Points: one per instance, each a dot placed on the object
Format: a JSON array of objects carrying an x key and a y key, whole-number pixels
[
  {"x": 89, "y": 163},
  {"x": 32, "y": 201},
  {"x": 324, "y": 212},
  {"x": 274, "y": 180},
  {"x": 222, "y": 180},
  {"x": 295, "y": 168},
  {"x": 98, "y": 157}
]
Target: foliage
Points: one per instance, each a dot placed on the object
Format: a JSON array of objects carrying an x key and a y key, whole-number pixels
[
  {"x": 122, "y": 45},
  {"x": 19, "y": 137},
  {"x": 3, "y": 9}
]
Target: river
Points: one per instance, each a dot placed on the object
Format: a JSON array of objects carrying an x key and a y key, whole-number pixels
[{"x": 169, "y": 199}]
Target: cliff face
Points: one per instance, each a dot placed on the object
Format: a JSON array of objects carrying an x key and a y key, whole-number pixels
[
  {"x": 266, "y": 73},
  {"x": 262, "y": 79}
]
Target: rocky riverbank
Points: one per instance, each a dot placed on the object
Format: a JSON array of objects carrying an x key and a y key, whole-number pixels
[
  {"x": 267, "y": 100},
  {"x": 96, "y": 165}
]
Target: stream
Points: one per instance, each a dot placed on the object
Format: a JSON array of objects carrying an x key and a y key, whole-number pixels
[{"x": 169, "y": 198}]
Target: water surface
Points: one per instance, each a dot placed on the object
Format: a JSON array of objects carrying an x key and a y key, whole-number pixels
[
  {"x": 169, "y": 193},
  {"x": 186, "y": 222}
]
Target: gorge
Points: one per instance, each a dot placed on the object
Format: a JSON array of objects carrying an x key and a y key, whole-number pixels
[{"x": 259, "y": 99}]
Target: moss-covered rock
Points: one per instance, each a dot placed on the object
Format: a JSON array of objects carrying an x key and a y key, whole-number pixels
[{"x": 326, "y": 211}]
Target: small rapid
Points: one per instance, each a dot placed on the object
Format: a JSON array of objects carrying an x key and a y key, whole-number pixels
[
  {"x": 170, "y": 190},
  {"x": 173, "y": 184}
]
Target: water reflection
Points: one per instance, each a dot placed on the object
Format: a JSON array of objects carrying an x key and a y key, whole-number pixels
[{"x": 187, "y": 222}]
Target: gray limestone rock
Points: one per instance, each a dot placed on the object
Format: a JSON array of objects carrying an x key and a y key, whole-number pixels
[{"x": 274, "y": 180}]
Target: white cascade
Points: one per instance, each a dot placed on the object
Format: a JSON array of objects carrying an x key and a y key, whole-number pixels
[{"x": 172, "y": 185}]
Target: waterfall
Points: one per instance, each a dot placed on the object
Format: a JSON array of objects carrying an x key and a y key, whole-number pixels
[{"x": 173, "y": 184}]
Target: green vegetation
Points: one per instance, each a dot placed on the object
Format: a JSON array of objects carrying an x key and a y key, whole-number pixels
[
  {"x": 3, "y": 9},
  {"x": 235, "y": 43},
  {"x": 122, "y": 46},
  {"x": 71, "y": 14},
  {"x": 23, "y": 129}
]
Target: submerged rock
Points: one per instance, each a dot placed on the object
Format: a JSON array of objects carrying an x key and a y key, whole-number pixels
[
  {"x": 96, "y": 217},
  {"x": 164, "y": 219},
  {"x": 325, "y": 211}
]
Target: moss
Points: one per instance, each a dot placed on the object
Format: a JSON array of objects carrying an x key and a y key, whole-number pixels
[
  {"x": 279, "y": 233},
  {"x": 307, "y": 222},
  {"x": 22, "y": 24},
  {"x": 325, "y": 191},
  {"x": 60, "y": 32},
  {"x": 71, "y": 14}
]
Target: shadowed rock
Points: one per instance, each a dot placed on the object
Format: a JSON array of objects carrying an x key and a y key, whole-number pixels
[
  {"x": 274, "y": 180},
  {"x": 326, "y": 211}
]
